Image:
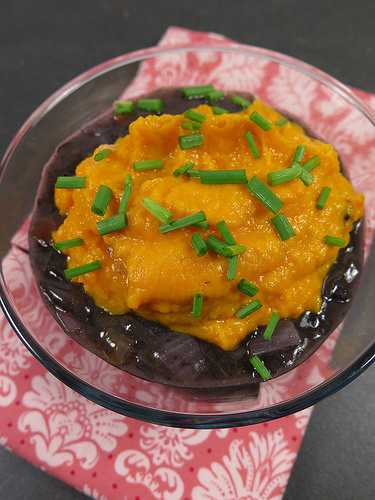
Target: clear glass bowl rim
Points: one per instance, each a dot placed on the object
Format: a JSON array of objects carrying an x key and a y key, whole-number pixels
[{"x": 163, "y": 417}]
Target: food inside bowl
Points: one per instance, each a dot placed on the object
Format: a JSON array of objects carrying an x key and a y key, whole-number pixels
[{"x": 197, "y": 238}]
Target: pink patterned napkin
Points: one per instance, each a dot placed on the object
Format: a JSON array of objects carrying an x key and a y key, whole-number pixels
[{"x": 108, "y": 456}]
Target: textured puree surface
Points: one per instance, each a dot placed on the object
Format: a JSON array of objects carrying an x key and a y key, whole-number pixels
[{"x": 157, "y": 275}]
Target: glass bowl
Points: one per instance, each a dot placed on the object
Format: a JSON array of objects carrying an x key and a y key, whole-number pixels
[{"x": 324, "y": 105}]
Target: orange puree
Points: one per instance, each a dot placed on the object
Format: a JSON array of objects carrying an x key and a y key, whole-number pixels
[{"x": 157, "y": 275}]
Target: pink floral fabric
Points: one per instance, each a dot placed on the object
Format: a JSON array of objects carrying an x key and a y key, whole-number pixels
[{"x": 108, "y": 456}]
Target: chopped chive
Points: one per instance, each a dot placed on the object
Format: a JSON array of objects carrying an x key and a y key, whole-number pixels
[
  {"x": 224, "y": 249},
  {"x": 70, "y": 182},
  {"x": 187, "y": 125},
  {"x": 284, "y": 175},
  {"x": 84, "y": 269},
  {"x": 215, "y": 95},
  {"x": 184, "y": 169},
  {"x": 197, "y": 305},
  {"x": 152, "y": 105},
  {"x": 203, "y": 225},
  {"x": 232, "y": 267},
  {"x": 161, "y": 213},
  {"x": 240, "y": 101},
  {"x": 283, "y": 226},
  {"x": 247, "y": 287},
  {"x": 264, "y": 194},
  {"x": 195, "y": 116},
  {"x": 140, "y": 166},
  {"x": 189, "y": 220},
  {"x": 334, "y": 241},
  {"x": 306, "y": 177},
  {"x": 190, "y": 141},
  {"x": 248, "y": 309},
  {"x": 197, "y": 91},
  {"x": 312, "y": 163},
  {"x": 64, "y": 245},
  {"x": 112, "y": 224},
  {"x": 101, "y": 155},
  {"x": 299, "y": 152},
  {"x": 220, "y": 176},
  {"x": 218, "y": 110},
  {"x": 271, "y": 326},
  {"x": 218, "y": 246},
  {"x": 128, "y": 186},
  {"x": 225, "y": 233},
  {"x": 323, "y": 197},
  {"x": 101, "y": 201},
  {"x": 281, "y": 122},
  {"x": 199, "y": 245},
  {"x": 260, "y": 367},
  {"x": 259, "y": 120},
  {"x": 251, "y": 142},
  {"x": 123, "y": 107}
]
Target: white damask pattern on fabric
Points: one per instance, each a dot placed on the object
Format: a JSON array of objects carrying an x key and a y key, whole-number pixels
[{"x": 65, "y": 427}]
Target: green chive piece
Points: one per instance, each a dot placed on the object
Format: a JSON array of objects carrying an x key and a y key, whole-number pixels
[
  {"x": 215, "y": 95},
  {"x": 232, "y": 267},
  {"x": 247, "y": 287},
  {"x": 251, "y": 142},
  {"x": 265, "y": 195},
  {"x": 190, "y": 141},
  {"x": 260, "y": 368},
  {"x": 240, "y": 101},
  {"x": 189, "y": 220},
  {"x": 84, "y": 269},
  {"x": 197, "y": 305},
  {"x": 70, "y": 182},
  {"x": 64, "y": 245},
  {"x": 195, "y": 116},
  {"x": 281, "y": 122},
  {"x": 161, "y": 213},
  {"x": 123, "y": 107},
  {"x": 124, "y": 202},
  {"x": 112, "y": 224},
  {"x": 152, "y": 105},
  {"x": 312, "y": 163},
  {"x": 220, "y": 176},
  {"x": 225, "y": 233},
  {"x": 323, "y": 197},
  {"x": 271, "y": 326},
  {"x": 283, "y": 227},
  {"x": 184, "y": 169},
  {"x": 299, "y": 152},
  {"x": 306, "y": 177},
  {"x": 203, "y": 225},
  {"x": 218, "y": 110},
  {"x": 334, "y": 241},
  {"x": 101, "y": 155},
  {"x": 187, "y": 125},
  {"x": 224, "y": 249},
  {"x": 199, "y": 245},
  {"x": 259, "y": 120},
  {"x": 284, "y": 175},
  {"x": 197, "y": 91},
  {"x": 140, "y": 166},
  {"x": 248, "y": 309},
  {"x": 101, "y": 201}
]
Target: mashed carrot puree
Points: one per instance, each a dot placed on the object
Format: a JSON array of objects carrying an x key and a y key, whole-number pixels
[{"x": 156, "y": 275}]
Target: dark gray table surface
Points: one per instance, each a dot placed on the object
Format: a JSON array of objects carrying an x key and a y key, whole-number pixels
[{"x": 46, "y": 42}]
